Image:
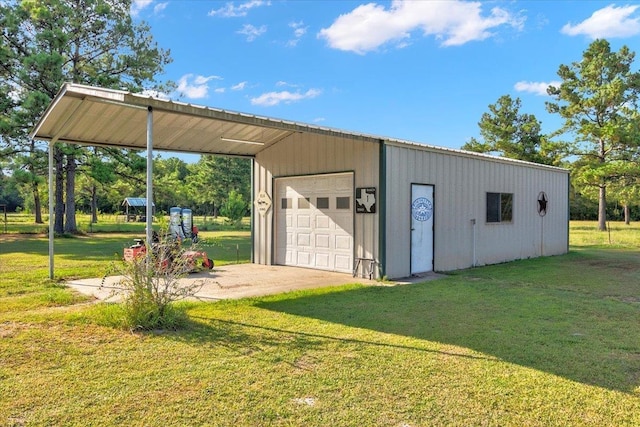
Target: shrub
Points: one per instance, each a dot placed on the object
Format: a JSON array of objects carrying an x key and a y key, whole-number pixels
[{"x": 150, "y": 284}]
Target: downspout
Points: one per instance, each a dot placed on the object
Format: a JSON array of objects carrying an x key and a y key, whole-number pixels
[
  {"x": 51, "y": 209},
  {"x": 542, "y": 235},
  {"x": 473, "y": 226},
  {"x": 149, "y": 210}
]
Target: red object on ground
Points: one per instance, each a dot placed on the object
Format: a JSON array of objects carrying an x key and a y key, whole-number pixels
[
  {"x": 133, "y": 252},
  {"x": 190, "y": 257}
]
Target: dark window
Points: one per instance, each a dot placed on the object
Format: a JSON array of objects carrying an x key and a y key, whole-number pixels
[
  {"x": 303, "y": 203},
  {"x": 322, "y": 203},
  {"x": 506, "y": 207},
  {"x": 343, "y": 202},
  {"x": 286, "y": 203},
  {"x": 499, "y": 207}
]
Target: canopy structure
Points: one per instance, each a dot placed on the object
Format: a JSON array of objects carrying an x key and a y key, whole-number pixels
[
  {"x": 95, "y": 116},
  {"x": 105, "y": 117},
  {"x": 135, "y": 203}
]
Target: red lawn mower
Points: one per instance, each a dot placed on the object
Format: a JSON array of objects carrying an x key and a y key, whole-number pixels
[{"x": 170, "y": 253}]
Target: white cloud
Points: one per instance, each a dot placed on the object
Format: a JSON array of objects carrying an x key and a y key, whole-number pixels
[
  {"x": 299, "y": 30},
  {"x": 219, "y": 90},
  {"x": 453, "y": 22},
  {"x": 239, "y": 86},
  {"x": 252, "y": 32},
  {"x": 155, "y": 94},
  {"x": 270, "y": 99},
  {"x": 537, "y": 88},
  {"x": 610, "y": 21},
  {"x": 138, "y": 5},
  {"x": 194, "y": 87},
  {"x": 160, "y": 7},
  {"x": 282, "y": 83},
  {"x": 230, "y": 10}
]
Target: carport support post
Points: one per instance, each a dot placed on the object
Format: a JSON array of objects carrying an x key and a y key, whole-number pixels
[
  {"x": 51, "y": 209},
  {"x": 149, "y": 178},
  {"x": 252, "y": 204}
]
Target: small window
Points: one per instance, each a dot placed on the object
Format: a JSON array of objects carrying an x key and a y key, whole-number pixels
[
  {"x": 286, "y": 203},
  {"x": 499, "y": 207},
  {"x": 343, "y": 202},
  {"x": 322, "y": 202},
  {"x": 303, "y": 203}
]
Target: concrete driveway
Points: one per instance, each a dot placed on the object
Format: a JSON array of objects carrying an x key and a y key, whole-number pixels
[{"x": 236, "y": 281}]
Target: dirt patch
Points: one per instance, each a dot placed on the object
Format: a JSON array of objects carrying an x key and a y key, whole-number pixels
[{"x": 10, "y": 329}]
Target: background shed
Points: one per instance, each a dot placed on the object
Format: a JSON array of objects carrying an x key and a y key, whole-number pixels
[{"x": 135, "y": 208}]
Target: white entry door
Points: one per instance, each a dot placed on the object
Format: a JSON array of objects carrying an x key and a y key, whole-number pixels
[
  {"x": 422, "y": 209},
  {"x": 314, "y": 222}
]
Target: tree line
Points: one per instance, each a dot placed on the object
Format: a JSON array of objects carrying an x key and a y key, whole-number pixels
[
  {"x": 206, "y": 187},
  {"x": 45, "y": 43},
  {"x": 597, "y": 100}
]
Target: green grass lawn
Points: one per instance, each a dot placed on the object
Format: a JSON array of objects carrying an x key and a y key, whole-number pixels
[
  {"x": 550, "y": 341},
  {"x": 107, "y": 223}
]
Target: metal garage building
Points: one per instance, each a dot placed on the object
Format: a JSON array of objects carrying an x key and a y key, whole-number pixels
[{"x": 337, "y": 200}]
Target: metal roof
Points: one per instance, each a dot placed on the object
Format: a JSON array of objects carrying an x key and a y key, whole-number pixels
[
  {"x": 105, "y": 117},
  {"x": 96, "y": 116},
  {"x": 136, "y": 202}
]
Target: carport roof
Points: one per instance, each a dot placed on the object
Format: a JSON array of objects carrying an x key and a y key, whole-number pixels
[
  {"x": 94, "y": 116},
  {"x": 106, "y": 117}
]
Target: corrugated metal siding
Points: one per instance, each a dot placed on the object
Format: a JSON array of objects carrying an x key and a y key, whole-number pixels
[
  {"x": 308, "y": 154},
  {"x": 461, "y": 183}
]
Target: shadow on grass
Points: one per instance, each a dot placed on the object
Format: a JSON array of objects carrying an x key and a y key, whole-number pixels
[
  {"x": 229, "y": 333},
  {"x": 571, "y": 316}
]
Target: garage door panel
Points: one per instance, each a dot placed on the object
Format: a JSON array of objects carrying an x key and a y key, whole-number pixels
[
  {"x": 322, "y": 222},
  {"x": 304, "y": 239},
  {"x": 342, "y": 262},
  {"x": 342, "y": 243},
  {"x": 303, "y": 259},
  {"x": 322, "y": 241},
  {"x": 322, "y": 260},
  {"x": 343, "y": 222},
  {"x": 303, "y": 221},
  {"x": 314, "y": 221}
]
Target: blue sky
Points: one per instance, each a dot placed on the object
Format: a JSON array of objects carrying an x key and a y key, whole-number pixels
[{"x": 422, "y": 71}]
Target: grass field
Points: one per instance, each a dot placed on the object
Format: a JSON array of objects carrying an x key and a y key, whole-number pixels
[
  {"x": 550, "y": 341},
  {"x": 24, "y": 224}
]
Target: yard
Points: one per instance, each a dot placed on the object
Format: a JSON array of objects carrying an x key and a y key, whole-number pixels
[{"x": 551, "y": 341}]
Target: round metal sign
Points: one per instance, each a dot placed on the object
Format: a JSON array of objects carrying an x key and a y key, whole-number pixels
[
  {"x": 543, "y": 201},
  {"x": 422, "y": 209}
]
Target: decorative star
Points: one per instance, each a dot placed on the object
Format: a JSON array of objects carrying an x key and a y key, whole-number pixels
[{"x": 542, "y": 204}]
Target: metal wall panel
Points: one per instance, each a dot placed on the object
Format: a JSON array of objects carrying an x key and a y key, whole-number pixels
[
  {"x": 460, "y": 186},
  {"x": 309, "y": 154}
]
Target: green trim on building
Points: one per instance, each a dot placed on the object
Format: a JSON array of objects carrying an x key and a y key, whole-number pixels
[{"x": 382, "y": 209}]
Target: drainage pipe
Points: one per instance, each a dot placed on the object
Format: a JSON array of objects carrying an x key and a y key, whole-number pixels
[{"x": 473, "y": 227}]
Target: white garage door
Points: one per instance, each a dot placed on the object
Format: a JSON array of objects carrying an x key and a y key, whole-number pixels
[{"x": 314, "y": 222}]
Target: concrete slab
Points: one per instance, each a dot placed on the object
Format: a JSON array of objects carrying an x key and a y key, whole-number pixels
[{"x": 242, "y": 280}]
